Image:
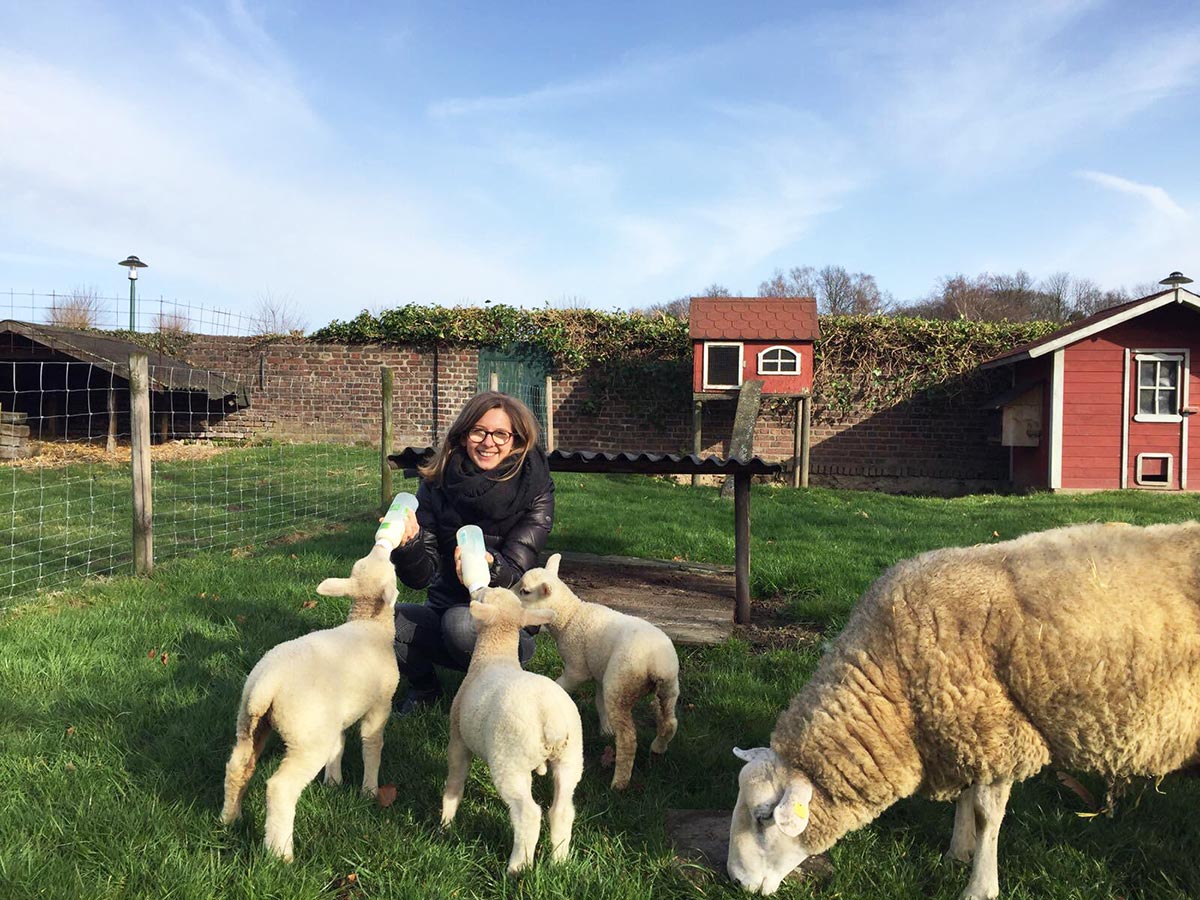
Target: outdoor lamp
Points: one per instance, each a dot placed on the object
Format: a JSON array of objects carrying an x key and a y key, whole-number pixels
[
  {"x": 1175, "y": 279},
  {"x": 133, "y": 264}
]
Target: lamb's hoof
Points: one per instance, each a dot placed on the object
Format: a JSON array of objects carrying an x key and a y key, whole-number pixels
[
  {"x": 659, "y": 747},
  {"x": 332, "y": 779},
  {"x": 369, "y": 791},
  {"x": 957, "y": 857},
  {"x": 228, "y": 818},
  {"x": 620, "y": 784}
]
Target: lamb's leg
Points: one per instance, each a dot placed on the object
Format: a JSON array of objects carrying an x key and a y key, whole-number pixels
[
  {"x": 989, "y": 803},
  {"x": 602, "y": 710},
  {"x": 619, "y": 704},
  {"x": 962, "y": 841},
  {"x": 333, "y": 768},
  {"x": 458, "y": 757},
  {"x": 372, "y": 727},
  {"x": 666, "y": 693},
  {"x": 298, "y": 768},
  {"x": 571, "y": 678},
  {"x": 517, "y": 790},
  {"x": 240, "y": 767},
  {"x": 568, "y": 769}
]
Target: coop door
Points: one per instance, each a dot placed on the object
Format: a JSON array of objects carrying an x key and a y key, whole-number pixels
[{"x": 1158, "y": 422}]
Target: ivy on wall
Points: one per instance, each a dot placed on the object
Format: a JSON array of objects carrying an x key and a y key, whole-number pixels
[{"x": 862, "y": 362}]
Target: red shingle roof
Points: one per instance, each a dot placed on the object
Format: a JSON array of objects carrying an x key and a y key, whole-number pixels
[{"x": 753, "y": 318}]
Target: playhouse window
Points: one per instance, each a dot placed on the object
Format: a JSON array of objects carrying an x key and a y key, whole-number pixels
[
  {"x": 722, "y": 365},
  {"x": 779, "y": 361},
  {"x": 1158, "y": 386}
]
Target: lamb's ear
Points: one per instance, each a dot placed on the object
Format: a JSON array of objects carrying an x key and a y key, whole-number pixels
[
  {"x": 755, "y": 754},
  {"x": 791, "y": 815},
  {"x": 552, "y": 564},
  {"x": 536, "y": 617},
  {"x": 334, "y": 587},
  {"x": 482, "y": 612}
]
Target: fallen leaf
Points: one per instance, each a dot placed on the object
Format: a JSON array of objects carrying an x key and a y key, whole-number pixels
[
  {"x": 203, "y": 594},
  {"x": 864, "y": 514},
  {"x": 309, "y": 604},
  {"x": 164, "y": 657},
  {"x": 152, "y": 654},
  {"x": 1071, "y": 783},
  {"x": 689, "y": 706},
  {"x": 293, "y": 556},
  {"x": 353, "y": 876},
  {"x": 386, "y": 796},
  {"x": 70, "y": 730},
  {"x": 676, "y": 559},
  {"x": 608, "y": 758},
  {"x": 995, "y": 534},
  {"x": 70, "y": 767},
  {"x": 241, "y": 620}
]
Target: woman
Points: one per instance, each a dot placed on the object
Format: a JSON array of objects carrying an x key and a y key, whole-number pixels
[{"x": 489, "y": 472}]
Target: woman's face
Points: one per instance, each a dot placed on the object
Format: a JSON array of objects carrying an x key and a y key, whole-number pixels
[{"x": 488, "y": 453}]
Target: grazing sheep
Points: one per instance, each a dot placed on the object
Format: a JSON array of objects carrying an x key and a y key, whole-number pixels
[
  {"x": 518, "y": 722},
  {"x": 627, "y": 656},
  {"x": 311, "y": 690},
  {"x": 965, "y": 670}
]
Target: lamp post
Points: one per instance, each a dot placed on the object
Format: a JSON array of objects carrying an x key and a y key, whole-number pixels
[{"x": 133, "y": 264}]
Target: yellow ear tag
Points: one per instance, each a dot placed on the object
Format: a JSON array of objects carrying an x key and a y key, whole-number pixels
[{"x": 800, "y": 809}]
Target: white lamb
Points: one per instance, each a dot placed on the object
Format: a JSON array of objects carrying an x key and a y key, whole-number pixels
[
  {"x": 518, "y": 722},
  {"x": 311, "y": 690},
  {"x": 627, "y": 656}
]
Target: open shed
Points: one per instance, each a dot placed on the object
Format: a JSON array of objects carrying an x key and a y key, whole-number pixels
[
  {"x": 70, "y": 384},
  {"x": 1107, "y": 402}
]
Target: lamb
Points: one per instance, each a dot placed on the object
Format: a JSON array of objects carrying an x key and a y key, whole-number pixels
[
  {"x": 627, "y": 656},
  {"x": 311, "y": 690},
  {"x": 965, "y": 670},
  {"x": 518, "y": 722}
]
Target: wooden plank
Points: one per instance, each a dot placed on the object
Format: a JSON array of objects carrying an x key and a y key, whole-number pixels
[
  {"x": 24, "y": 451},
  {"x": 143, "y": 502},
  {"x": 741, "y": 547},
  {"x": 13, "y": 440},
  {"x": 8, "y": 417}
]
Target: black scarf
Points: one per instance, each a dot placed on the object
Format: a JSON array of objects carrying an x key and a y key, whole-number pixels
[{"x": 489, "y": 497}]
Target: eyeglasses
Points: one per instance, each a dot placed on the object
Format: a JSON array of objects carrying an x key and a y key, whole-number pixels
[{"x": 500, "y": 437}]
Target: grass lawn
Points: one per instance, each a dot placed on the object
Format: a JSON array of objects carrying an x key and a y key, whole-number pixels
[{"x": 117, "y": 703}]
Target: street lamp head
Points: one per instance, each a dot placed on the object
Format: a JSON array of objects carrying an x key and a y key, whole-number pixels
[
  {"x": 133, "y": 263},
  {"x": 1175, "y": 279}
]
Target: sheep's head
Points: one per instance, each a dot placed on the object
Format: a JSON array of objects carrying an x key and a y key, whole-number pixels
[
  {"x": 371, "y": 585},
  {"x": 540, "y": 587},
  {"x": 500, "y": 608},
  {"x": 770, "y": 815}
]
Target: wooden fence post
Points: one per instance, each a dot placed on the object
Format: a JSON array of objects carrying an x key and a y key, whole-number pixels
[
  {"x": 805, "y": 440},
  {"x": 697, "y": 440},
  {"x": 139, "y": 442},
  {"x": 385, "y": 441},
  {"x": 493, "y": 382},
  {"x": 549, "y": 414}
]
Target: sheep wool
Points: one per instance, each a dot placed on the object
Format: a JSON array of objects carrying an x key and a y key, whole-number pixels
[{"x": 964, "y": 670}]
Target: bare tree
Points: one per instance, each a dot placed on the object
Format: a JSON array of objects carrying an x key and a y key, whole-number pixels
[
  {"x": 799, "y": 281},
  {"x": 679, "y": 307},
  {"x": 276, "y": 314},
  {"x": 1056, "y": 291},
  {"x": 78, "y": 309},
  {"x": 171, "y": 323},
  {"x": 836, "y": 291}
]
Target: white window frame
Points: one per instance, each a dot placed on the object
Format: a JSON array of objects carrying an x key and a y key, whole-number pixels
[
  {"x": 795, "y": 360},
  {"x": 1169, "y": 457},
  {"x": 741, "y": 348},
  {"x": 1177, "y": 356}
]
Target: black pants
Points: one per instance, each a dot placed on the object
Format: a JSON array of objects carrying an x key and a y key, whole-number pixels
[{"x": 427, "y": 637}]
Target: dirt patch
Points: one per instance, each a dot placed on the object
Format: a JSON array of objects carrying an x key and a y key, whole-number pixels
[
  {"x": 771, "y": 628},
  {"x": 56, "y": 454}
]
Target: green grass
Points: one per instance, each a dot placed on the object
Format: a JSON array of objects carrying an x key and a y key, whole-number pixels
[{"x": 111, "y": 761}]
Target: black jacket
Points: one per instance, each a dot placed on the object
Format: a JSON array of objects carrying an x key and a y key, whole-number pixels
[{"x": 428, "y": 559}]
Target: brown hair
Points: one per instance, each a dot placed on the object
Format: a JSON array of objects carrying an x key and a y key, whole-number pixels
[{"x": 524, "y": 424}]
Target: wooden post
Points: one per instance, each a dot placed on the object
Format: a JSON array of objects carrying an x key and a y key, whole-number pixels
[
  {"x": 549, "y": 414},
  {"x": 493, "y": 382},
  {"x": 697, "y": 439},
  {"x": 110, "y": 446},
  {"x": 796, "y": 443},
  {"x": 741, "y": 547},
  {"x": 741, "y": 444},
  {"x": 805, "y": 440},
  {"x": 385, "y": 439},
  {"x": 164, "y": 428},
  {"x": 139, "y": 442}
]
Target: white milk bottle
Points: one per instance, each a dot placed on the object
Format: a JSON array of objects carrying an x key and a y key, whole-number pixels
[
  {"x": 475, "y": 573},
  {"x": 391, "y": 526}
]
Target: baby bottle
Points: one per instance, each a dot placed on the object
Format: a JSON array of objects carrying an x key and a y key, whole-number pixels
[
  {"x": 475, "y": 571},
  {"x": 391, "y": 527}
]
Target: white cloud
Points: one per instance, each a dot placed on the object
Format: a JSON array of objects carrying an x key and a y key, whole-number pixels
[{"x": 1157, "y": 198}]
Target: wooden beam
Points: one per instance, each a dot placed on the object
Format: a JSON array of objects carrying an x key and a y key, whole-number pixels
[
  {"x": 697, "y": 440},
  {"x": 549, "y": 414},
  {"x": 805, "y": 439},
  {"x": 741, "y": 443},
  {"x": 741, "y": 547},
  {"x": 139, "y": 441},
  {"x": 387, "y": 383}
]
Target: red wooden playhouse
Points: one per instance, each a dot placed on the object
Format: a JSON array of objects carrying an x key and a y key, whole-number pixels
[
  {"x": 1106, "y": 402},
  {"x": 738, "y": 338}
]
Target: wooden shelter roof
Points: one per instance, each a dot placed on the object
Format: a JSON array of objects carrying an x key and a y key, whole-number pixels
[{"x": 753, "y": 318}]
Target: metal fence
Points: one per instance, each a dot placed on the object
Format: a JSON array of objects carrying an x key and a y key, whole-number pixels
[
  {"x": 66, "y": 471},
  {"x": 88, "y": 309}
]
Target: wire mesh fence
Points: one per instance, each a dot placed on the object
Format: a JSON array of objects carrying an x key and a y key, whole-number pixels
[
  {"x": 66, "y": 470},
  {"x": 85, "y": 308}
]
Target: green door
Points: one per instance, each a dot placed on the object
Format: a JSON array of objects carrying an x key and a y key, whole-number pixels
[{"x": 521, "y": 372}]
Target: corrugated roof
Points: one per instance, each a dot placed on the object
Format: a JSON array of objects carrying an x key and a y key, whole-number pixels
[
  {"x": 622, "y": 462},
  {"x": 112, "y": 355},
  {"x": 753, "y": 318}
]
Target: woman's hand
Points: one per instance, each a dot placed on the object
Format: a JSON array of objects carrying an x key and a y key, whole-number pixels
[
  {"x": 458, "y": 562},
  {"x": 411, "y": 528}
]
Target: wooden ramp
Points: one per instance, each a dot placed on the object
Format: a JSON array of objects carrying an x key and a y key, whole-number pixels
[{"x": 691, "y": 602}]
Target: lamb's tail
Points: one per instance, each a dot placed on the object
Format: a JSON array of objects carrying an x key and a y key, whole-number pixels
[{"x": 666, "y": 694}]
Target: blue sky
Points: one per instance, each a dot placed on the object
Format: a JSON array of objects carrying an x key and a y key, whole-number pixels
[{"x": 355, "y": 156}]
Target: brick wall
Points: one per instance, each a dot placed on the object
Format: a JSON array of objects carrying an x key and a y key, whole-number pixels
[{"x": 332, "y": 391}]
